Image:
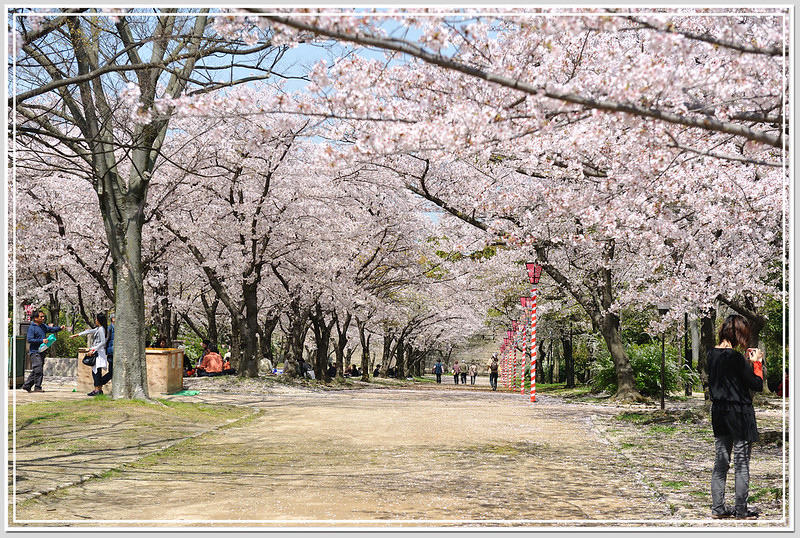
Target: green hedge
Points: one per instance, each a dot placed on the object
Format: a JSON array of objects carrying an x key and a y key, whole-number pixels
[{"x": 646, "y": 363}]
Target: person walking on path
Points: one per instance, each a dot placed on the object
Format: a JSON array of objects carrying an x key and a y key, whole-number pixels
[
  {"x": 731, "y": 377},
  {"x": 473, "y": 373},
  {"x": 493, "y": 370},
  {"x": 464, "y": 374},
  {"x": 98, "y": 348},
  {"x": 438, "y": 369},
  {"x": 109, "y": 354},
  {"x": 37, "y": 334},
  {"x": 456, "y": 372}
]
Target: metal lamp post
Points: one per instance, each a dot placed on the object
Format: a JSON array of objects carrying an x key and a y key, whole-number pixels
[
  {"x": 663, "y": 308},
  {"x": 534, "y": 274}
]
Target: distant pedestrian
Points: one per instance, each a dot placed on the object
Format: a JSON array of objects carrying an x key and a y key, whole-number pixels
[
  {"x": 37, "y": 334},
  {"x": 731, "y": 377},
  {"x": 438, "y": 369},
  {"x": 456, "y": 372},
  {"x": 464, "y": 374},
  {"x": 473, "y": 373},
  {"x": 97, "y": 347},
  {"x": 494, "y": 367}
]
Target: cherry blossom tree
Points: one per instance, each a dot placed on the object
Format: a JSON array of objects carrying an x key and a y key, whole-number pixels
[
  {"x": 69, "y": 72},
  {"x": 592, "y": 141}
]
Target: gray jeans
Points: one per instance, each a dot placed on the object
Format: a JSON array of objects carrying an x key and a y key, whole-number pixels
[
  {"x": 741, "y": 465},
  {"x": 37, "y": 371}
]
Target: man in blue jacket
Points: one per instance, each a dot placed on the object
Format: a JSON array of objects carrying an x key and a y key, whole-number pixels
[{"x": 37, "y": 333}]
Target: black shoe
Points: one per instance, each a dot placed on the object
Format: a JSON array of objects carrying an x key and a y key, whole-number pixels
[
  {"x": 26, "y": 389},
  {"x": 727, "y": 514},
  {"x": 38, "y": 389},
  {"x": 751, "y": 514},
  {"x": 93, "y": 393}
]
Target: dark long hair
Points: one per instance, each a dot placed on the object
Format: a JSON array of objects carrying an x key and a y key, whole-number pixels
[
  {"x": 103, "y": 321},
  {"x": 736, "y": 330}
]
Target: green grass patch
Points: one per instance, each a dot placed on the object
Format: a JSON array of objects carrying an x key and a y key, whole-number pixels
[
  {"x": 635, "y": 418},
  {"x": 674, "y": 484},
  {"x": 98, "y": 424},
  {"x": 561, "y": 390},
  {"x": 629, "y": 445},
  {"x": 424, "y": 379},
  {"x": 700, "y": 494},
  {"x": 659, "y": 428},
  {"x": 761, "y": 494}
]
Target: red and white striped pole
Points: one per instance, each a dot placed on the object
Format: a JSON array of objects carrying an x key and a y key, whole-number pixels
[
  {"x": 509, "y": 365},
  {"x": 525, "y": 304},
  {"x": 533, "y": 344},
  {"x": 534, "y": 273},
  {"x": 503, "y": 362},
  {"x": 514, "y": 345}
]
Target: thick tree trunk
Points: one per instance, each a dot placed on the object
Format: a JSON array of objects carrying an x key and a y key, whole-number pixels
[
  {"x": 248, "y": 332},
  {"x": 265, "y": 340},
  {"x": 236, "y": 340},
  {"x": 569, "y": 361},
  {"x": 364, "y": 338},
  {"x": 555, "y": 371},
  {"x": 626, "y": 384},
  {"x": 341, "y": 343},
  {"x": 161, "y": 310},
  {"x": 211, "y": 317},
  {"x": 130, "y": 370},
  {"x": 695, "y": 334},
  {"x": 298, "y": 327},
  {"x": 54, "y": 304},
  {"x": 400, "y": 355},
  {"x": 707, "y": 342},
  {"x": 388, "y": 337}
]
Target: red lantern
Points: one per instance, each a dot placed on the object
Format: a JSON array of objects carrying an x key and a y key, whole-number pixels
[{"x": 534, "y": 272}]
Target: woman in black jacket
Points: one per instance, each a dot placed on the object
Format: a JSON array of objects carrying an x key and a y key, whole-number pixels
[{"x": 731, "y": 376}]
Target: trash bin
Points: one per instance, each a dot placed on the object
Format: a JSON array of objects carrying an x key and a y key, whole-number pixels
[{"x": 16, "y": 356}]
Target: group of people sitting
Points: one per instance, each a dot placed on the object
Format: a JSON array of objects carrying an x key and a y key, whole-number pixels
[
  {"x": 352, "y": 371},
  {"x": 210, "y": 364}
]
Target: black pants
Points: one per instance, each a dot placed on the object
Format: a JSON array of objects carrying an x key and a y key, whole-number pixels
[
  {"x": 464, "y": 377},
  {"x": 110, "y": 375},
  {"x": 493, "y": 380},
  {"x": 438, "y": 378},
  {"x": 97, "y": 377},
  {"x": 37, "y": 371},
  {"x": 455, "y": 378}
]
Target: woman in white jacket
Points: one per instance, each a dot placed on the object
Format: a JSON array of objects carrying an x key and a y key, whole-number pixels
[{"x": 98, "y": 348}]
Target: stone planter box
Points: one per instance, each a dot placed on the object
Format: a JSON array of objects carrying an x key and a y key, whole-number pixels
[{"x": 164, "y": 372}]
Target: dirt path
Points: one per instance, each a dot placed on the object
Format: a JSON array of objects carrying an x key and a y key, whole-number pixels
[
  {"x": 371, "y": 456},
  {"x": 376, "y": 457}
]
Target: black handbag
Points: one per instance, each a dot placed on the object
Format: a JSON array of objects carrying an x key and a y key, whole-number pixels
[{"x": 89, "y": 360}]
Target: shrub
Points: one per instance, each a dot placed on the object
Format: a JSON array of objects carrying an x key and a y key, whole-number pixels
[
  {"x": 646, "y": 363},
  {"x": 64, "y": 346}
]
